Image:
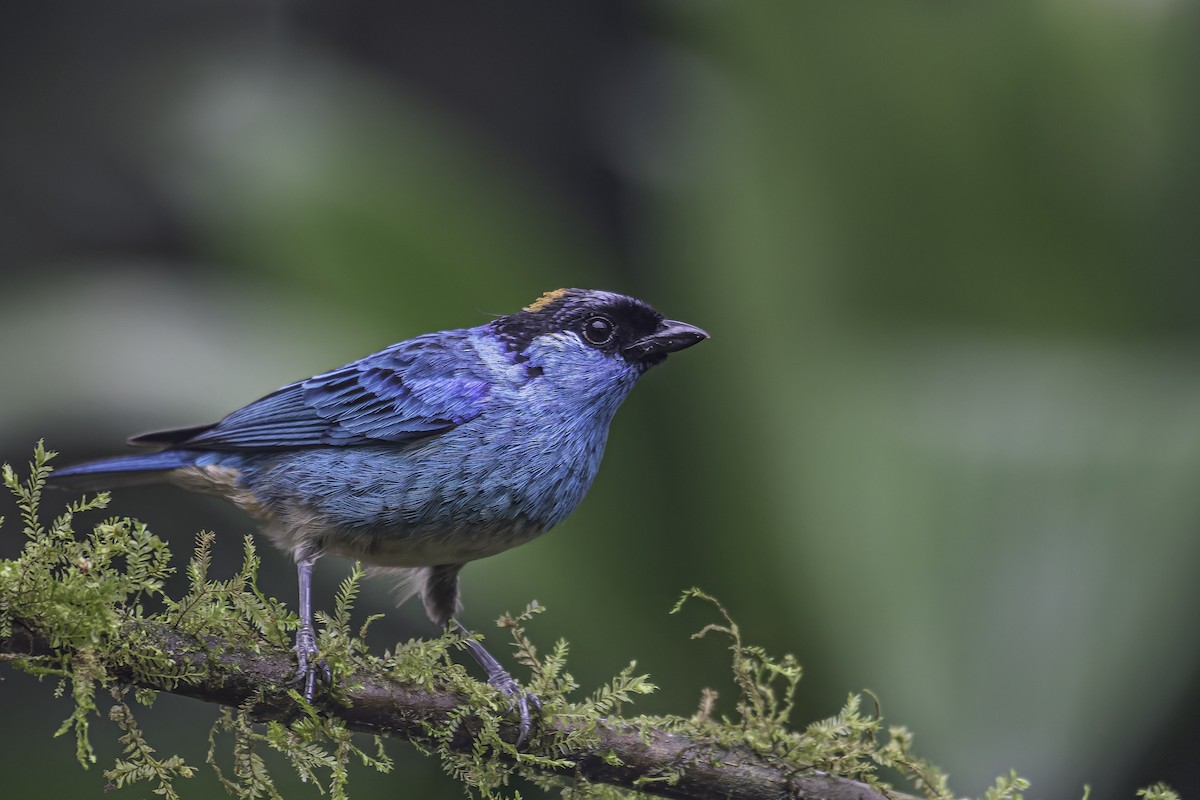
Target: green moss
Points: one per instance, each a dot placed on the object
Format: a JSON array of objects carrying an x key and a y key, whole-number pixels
[{"x": 83, "y": 594}]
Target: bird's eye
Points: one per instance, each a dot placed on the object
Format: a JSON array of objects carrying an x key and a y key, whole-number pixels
[{"x": 598, "y": 331}]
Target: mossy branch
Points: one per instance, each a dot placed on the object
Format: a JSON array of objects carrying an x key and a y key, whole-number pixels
[
  {"x": 91, "y": 611},
  {"x": 635, "y": 758}
]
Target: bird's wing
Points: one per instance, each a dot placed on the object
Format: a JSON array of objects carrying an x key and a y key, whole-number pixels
[{"x": 411, "y": 390}]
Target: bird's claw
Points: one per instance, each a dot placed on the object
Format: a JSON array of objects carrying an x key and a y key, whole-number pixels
[
  {"x": 521, "y": 700},
  {"x": 309, "y": 664},
  {"x": 498, "y": 677}
]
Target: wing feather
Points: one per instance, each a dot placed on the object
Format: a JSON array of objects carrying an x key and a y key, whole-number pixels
[{"x": 411, "y": 390}]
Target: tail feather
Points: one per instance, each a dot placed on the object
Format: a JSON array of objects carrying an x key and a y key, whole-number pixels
[
  {"x": 128, "y": 470},
  {"x": 436, "y": 586}
]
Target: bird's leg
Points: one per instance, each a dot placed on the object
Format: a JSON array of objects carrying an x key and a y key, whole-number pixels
[
  {"x": 306, "y": 637},
  {"x": 439, "y": 591},
  {"x": 498, "y": 676}
]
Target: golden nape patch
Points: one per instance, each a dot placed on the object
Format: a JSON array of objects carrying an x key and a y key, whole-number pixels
[{"x": 545, "y": 300}]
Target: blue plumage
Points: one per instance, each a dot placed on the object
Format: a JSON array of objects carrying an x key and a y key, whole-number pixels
[
  {"x": 410, "y": 390},
  {"x": 125, "y": 470},
  {"x": 433, "y": 452}
]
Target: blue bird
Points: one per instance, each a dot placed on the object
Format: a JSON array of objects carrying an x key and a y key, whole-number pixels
[{"x": 431, "y": 453}]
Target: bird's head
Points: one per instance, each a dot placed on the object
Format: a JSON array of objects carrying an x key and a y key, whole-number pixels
[{"x": 620, "y": 328}]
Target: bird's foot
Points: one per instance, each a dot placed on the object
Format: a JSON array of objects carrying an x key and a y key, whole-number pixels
[
  {"x": 309, "y": 663},
  {"x": 520, "y": 699},
  {"x": 498, "y": 677}
]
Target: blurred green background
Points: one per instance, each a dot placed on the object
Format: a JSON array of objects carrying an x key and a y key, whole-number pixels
[{"x": 944, "y": 443}]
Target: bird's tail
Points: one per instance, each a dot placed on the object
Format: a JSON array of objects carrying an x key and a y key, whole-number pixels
[
  {"x": 436, "y": 586},
  {"x": 130, "y": 470}
]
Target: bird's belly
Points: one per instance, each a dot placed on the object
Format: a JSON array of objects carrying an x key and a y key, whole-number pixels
[
  {"x": 392, "y": 548},
  {"x": 408, "y": 507}
]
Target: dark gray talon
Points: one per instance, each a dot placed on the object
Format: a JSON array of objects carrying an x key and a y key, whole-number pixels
[
  {"x": 498, "y": 677},
  {"x": 521, "y": 699},
  {"x": 309, "y": 665}
]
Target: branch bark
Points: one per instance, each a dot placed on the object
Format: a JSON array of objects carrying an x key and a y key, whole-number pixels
[{"x": 377, "y": 705}]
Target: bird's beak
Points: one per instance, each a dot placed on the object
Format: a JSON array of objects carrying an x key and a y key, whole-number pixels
[{"x": 671, "y": 336}]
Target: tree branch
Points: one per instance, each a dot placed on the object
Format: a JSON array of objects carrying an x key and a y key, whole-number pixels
[{"x": 702, "y": 770}]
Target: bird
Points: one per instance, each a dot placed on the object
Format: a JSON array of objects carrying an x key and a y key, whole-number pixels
[{"x": 431, "y": 453}]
